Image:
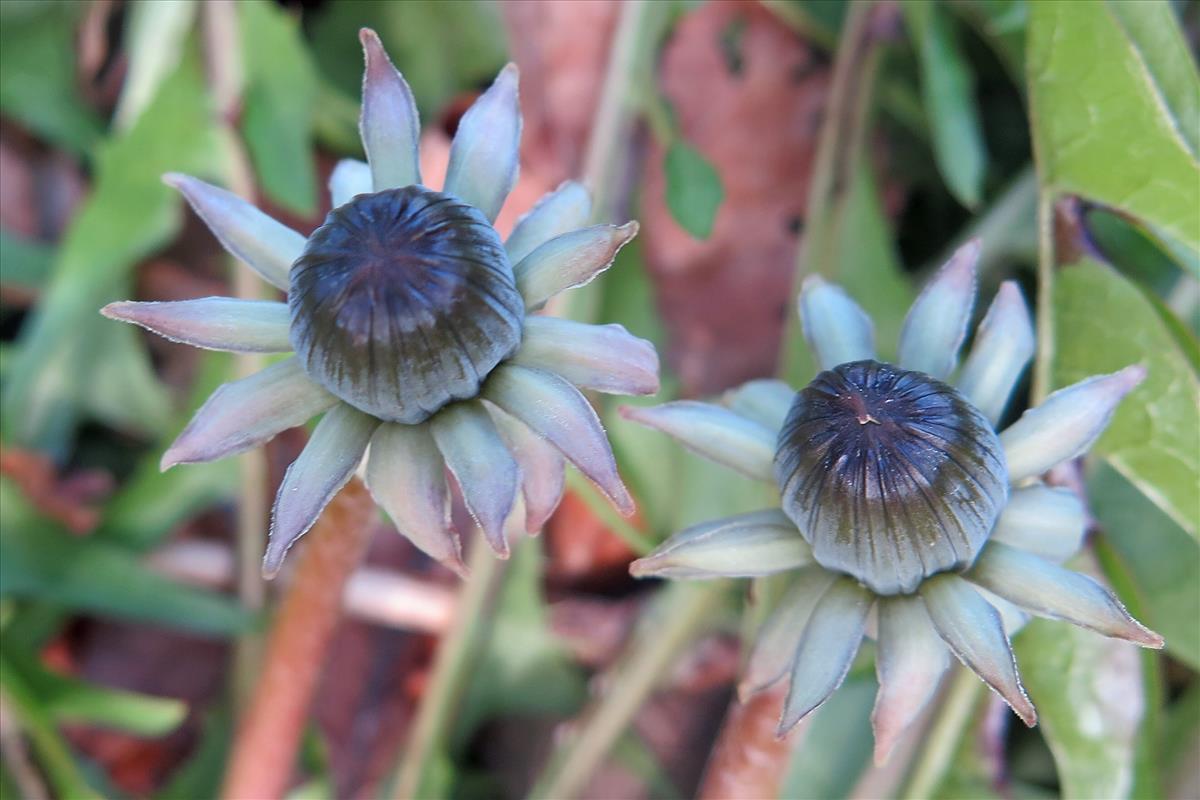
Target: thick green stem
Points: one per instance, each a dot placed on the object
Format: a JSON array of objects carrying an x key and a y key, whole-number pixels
[
  {"x": 946, "y": 734},
  {"x": 456, "y": 655},
  {"x": 680, "y": 612}
]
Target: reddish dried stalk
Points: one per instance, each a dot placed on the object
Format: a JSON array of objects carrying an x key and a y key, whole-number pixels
[
  {"x": 268, "y": 737},
  {"x": 749, "y": 761}
]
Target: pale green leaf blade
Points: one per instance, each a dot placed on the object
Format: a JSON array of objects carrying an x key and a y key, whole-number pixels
[
  {"x": 280, "y": 94},
  {"x": 39, "y": 560},
  {"x": 694, "y": 190},
  {"x": 38, "y": 85},
  {"x": 154, "y": 40},
  {"x": 1103, "y": 323},
  {"x": 1162, "y": 561},
  {"x": 946, "y": 83},
  {"x": 128, "y": 214},
  {"x": 1088, "y": 691},
  {"x": 68, "y": 699},
  {"x": 1112, "y": 117}
]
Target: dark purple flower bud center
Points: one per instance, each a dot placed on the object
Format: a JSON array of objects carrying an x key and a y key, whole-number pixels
[
  {"x": 891, "y": 475},
  {"x": 404, "y": 301}
]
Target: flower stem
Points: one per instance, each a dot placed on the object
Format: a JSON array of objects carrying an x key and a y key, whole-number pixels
[
  {"x": 451, "y": 668},
  {"x": 269, "y": 734},
  {"x": 679, "y": 613},
  {"x": 749, "y": 760},
  {"x": 946, "y": 734},
  {"x": 1045, "y": 299},
  {"x": 606, "y": 160},
  {"x": 608, "y": 171},
  {"x": 222, "y": 49},
  {"x": 839, "y": 153}
]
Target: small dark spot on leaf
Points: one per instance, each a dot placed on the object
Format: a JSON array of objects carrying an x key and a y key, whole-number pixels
[{"x": 731, "y": 45}]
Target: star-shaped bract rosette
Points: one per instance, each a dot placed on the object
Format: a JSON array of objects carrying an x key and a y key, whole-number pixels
[
  {"x": 901, "y": 501},
  {"x": 414, "y": 331}
]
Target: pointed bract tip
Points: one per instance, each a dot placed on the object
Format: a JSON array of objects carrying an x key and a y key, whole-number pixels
[
  {"x": 1010, "y": 291},
  {"x": 369, "y": 38},
  {"x": 114, "y": 310},
  {"x": 624, "y": 502},
  {"x": 642, "y": 567},
  {"x": 636, "y": 414},
  {"x": 971, "y": 248},
  {"x": 272, "y": 562},
  {"x": 812, "y": 283},
  {"x": 511, "y": 72},
  {"x": 961, "y": 265},
  {"x": 375, "y": 57},
  {"x": 629, "y": 230},
  {"x": 1130, "y": 376},
  {"x": 500, "y": 548},
  {"x": 785, "y": 727},
  {"x": 1146, "y": 638},
  {"x": 177, "y": 180},
  {"x": 169, "y": 459},
  {"x": 455, "y": 564},
  {"x": 1025, "y": 711}
]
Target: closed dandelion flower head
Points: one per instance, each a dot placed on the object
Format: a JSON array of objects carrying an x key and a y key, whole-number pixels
[
  {"x": 902, "y": 509},
  {"x": 414, "y": 331}
]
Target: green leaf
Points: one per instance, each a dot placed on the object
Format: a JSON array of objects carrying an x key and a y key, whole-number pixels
[
  {"x": 1088, "y": 692},
  {"x": 442, "y": 48},
  {"x": 1103, "y": 323},
  {"x": 524, "y": 669},
  {"x": 1002, "y": 24},
  {"x": 39, "y": 560},
  {"x": 1163, "y": 561},
  {"x": 26, "y": 262},
  {"x": 128, "y": 215},
  {"x": 123, "y": 390},
  {"x": 70, "y": 700},
  {"x": 694, "y": 190},
  {"x": 946, "y": 83},
  {"x": 151, "y": 502},
  {"x": 155, "y": 34},
  {"x": 201, "y": 774},
  {"x": 1132, "y": 250},
  {"x": 1180, "y": 753},
  {"x": 54, "y": 754},
  {"x": 37, "y": 74},
  {"x": 860, "y": 258},
  {"x": 1113, "y": 95},
  {"x": 280, "y": 93},
  {"x": 834, "y": 749}
]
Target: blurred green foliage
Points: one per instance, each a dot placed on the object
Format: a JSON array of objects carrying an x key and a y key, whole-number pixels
[{"x": 1113, "y": 104}]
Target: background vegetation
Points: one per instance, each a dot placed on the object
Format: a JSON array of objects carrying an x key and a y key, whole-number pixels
[{"x": 755, "y": 141}]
